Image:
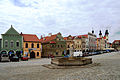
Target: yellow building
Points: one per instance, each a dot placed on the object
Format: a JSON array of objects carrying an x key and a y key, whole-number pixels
[
  {"x": 100, "y": 43},
  {"x": 31, "y": 46}
]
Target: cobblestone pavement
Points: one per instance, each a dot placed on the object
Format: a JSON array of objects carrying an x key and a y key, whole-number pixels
[{"x": 109, "y": 69}]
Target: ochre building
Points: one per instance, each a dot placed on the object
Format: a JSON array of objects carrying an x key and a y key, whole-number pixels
[{"x": 31, "y": 46}]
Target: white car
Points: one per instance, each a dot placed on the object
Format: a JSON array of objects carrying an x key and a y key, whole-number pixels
[
  {"x": 4, "y": 57},
  {"x": 79, "y": 53}
]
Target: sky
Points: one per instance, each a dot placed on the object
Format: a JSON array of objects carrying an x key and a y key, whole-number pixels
[{"x": 70, "y": 17}]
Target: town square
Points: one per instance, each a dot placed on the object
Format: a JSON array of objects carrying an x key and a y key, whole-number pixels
[{"x": 107, "y": 68}]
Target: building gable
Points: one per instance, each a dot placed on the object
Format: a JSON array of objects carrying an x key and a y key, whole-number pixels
[
  {"x": 59, "y": 36},
  {"x": 12, "y": 31}
]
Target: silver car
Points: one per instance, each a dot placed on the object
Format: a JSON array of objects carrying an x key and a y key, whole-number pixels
[{"x": 4, "y": 57}]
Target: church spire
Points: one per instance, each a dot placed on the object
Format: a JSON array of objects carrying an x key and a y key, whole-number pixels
[
  {"x": 100, "y": 34},
  {"x": 92, "y": 30},
  {"x": 106, "y": 32}
]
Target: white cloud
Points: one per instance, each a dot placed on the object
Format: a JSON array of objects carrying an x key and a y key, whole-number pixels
[{"x": 67, "y": 16}]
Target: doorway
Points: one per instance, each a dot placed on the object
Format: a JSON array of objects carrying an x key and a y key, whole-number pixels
[{"x": 32, "y": 54}]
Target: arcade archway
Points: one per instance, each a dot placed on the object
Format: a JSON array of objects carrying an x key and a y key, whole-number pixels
[
  {"x": 11, "y": 53},
  {"x": 3, "y": 52}
]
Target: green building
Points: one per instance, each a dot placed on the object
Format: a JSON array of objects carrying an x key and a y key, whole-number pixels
[{"x": 11, "y": 42}]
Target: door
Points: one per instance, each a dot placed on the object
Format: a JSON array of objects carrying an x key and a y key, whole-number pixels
[{"x": 32, "y": 54}]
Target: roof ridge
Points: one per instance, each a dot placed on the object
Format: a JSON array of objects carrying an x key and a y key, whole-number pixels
[{"x": 28, "y": 34}]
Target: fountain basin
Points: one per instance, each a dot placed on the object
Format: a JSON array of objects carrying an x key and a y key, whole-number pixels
[{"x": 71, "y": 61}]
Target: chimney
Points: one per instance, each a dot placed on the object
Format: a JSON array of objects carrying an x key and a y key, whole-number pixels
[
  {"x": 21, "y": 33},
  {"x": 11, "y": 26},
  {"x": 41, "y": 36}
]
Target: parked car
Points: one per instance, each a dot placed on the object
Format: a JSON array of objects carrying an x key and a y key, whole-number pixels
[
  {"x": 24, "y": 58},
  {"x": 85, "y": 54},
  {"x": 50, "y": 56},
  {"x": 78, "y": 54},
  {"x": 67, "y": 56},
  {"x": 4, "y": 57},
  {"x": 101, "y": 52},
  {"x": 14, "y": 58},
  {"x": 104, "y": 51},
  {"x": 90, "y": 53}
]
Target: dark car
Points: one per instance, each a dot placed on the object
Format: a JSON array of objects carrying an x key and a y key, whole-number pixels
[
  {"x": 85, "y": 54},
  {"x": 14, "y": 58}
]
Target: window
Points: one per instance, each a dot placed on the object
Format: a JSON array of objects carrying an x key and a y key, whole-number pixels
[
  {"x": 56, "y": 53},
  {"x": 58, "y": 46},
  {"x": 58, "y": 39},
  {"x": 52, "y": 46},
  {"x": 37, "y": 53},
  {"x": 32, "y": 45},
  {"x": 17, "y": 43},
  {"x": 6, "y": 43},
  {"x": 38, "y": 45},
  {"x": 61, "y": 46},
  {"x": 11, "y": 44},
  {"x": 26, "y": 45}
]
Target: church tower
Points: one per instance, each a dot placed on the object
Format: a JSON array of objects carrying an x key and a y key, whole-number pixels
[
  {"x": 100, "y": 34},
  {"x": 92, "y": 31},
  {"x": 106, "y": 35}
]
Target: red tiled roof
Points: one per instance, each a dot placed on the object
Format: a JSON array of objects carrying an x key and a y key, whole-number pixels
[
  {"x": 99, "y": 38},
  {"x": 30, "y": 37},
  {"x": 52, "y": 42},
  {"x": 80, "y": 36},
  {"x": 48, "y": 38},
  {"x": 116, "y": 41},
  {"x": 65, "y": 38}
]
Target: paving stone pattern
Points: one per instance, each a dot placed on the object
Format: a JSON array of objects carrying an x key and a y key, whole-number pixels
[{"x": 109, "y": 69}]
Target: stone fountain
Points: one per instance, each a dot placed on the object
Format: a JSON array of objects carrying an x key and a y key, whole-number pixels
[{"x": 71, "y": 61}]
